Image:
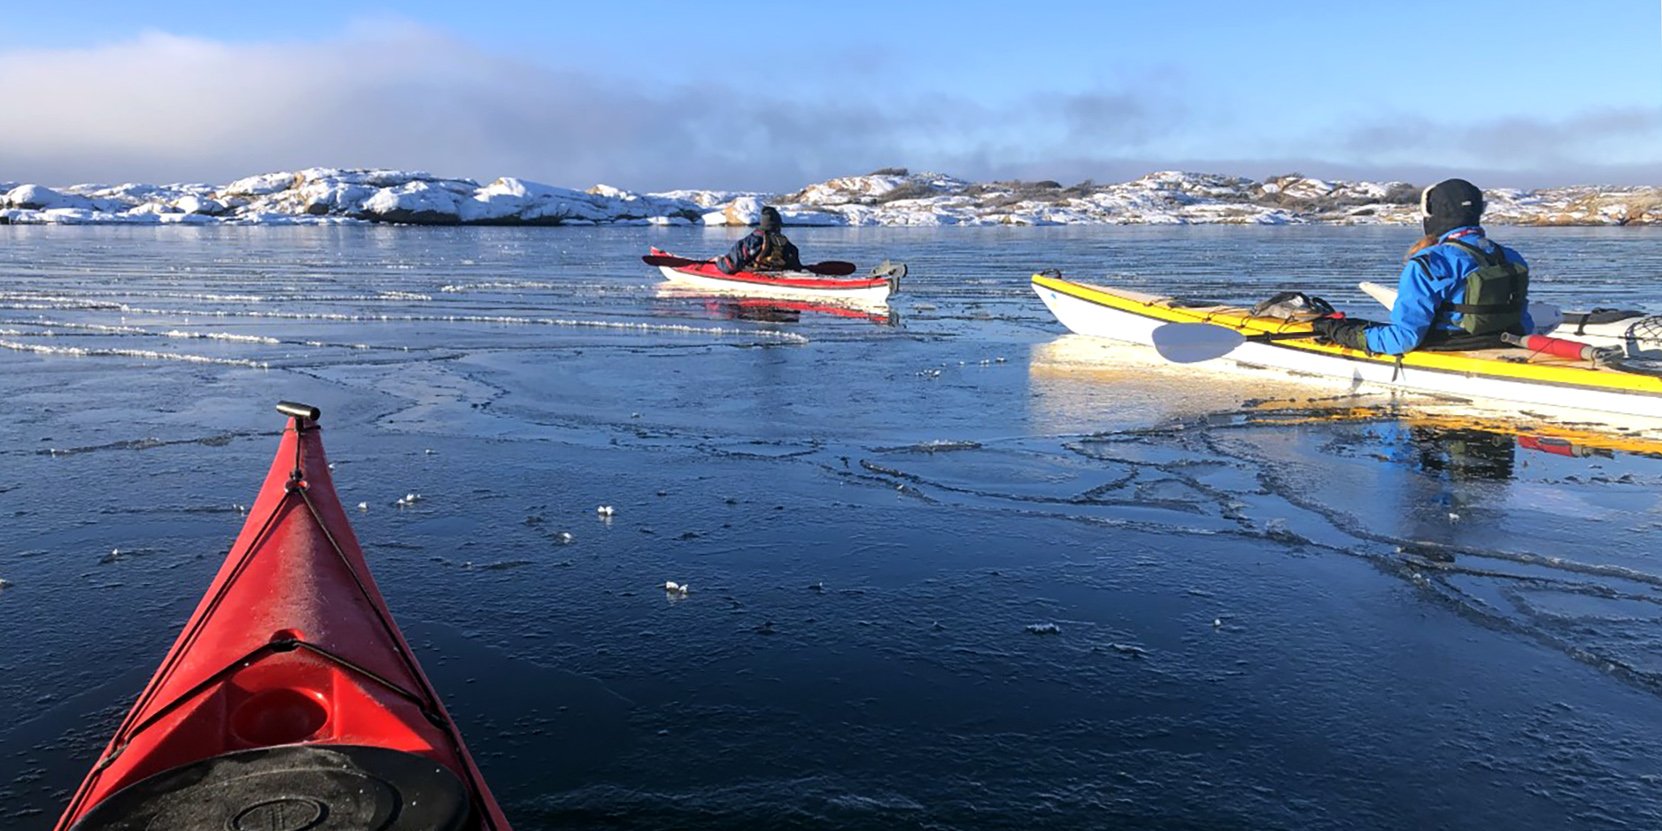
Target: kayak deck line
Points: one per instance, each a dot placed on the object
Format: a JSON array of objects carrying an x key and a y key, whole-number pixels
[
  {"x": 291, "y": 647},
  {"x": 285, "y": 641},
  {"x": 271, "y": 647}
]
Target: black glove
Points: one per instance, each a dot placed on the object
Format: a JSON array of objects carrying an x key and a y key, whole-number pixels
[{"x": 1342, "y": 331}]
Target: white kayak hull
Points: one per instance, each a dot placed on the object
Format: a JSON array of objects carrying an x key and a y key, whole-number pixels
[{"x": 874, "y": 295}]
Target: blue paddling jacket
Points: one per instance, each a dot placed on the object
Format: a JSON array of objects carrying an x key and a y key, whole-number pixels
[{"x": 1433, "y": 283}]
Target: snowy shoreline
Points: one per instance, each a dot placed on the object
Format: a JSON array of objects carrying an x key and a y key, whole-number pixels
[{"x": 892, "y": 197}]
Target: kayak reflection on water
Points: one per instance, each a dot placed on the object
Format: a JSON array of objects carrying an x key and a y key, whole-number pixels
[
  {"x": 773, "y": 310},
  {"x": 790, "y": 311},
  {"x": 763, "y": 312},
  {"x": 1439, "y": 484},
  {"x": 1464, "y": 454},
  {"x": 1467, "y": 446}
]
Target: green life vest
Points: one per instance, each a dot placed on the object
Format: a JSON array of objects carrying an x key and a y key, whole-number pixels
[
  {"x": 775, "y": 254},
  {"x": 1496, "y": 293}
]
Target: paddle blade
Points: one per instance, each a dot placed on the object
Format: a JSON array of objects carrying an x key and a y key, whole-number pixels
[
  {"x": 1546, "y": 316},
  {"x": 888, "y": 269},
  {"x": 1386, "y": 295},
  {"x": 668, "y": 260},
  {"x": 1191, "y": 343},
  {"x": 830, "y": 268}
]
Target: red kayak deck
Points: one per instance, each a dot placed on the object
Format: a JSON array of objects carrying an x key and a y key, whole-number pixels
[
  {"x": 781, "y": 279},
  {"x": 291, "y": 646}
]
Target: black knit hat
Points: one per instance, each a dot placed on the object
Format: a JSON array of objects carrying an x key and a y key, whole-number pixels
[
  {"x": 1450, "y": 204},
  {"x": 770, "y": 219}
]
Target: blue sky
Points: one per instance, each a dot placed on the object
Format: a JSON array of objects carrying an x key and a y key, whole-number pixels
[{"x": 654, "y": 94}]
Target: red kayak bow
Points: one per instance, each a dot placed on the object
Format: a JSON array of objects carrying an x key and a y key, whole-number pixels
[{"x": 291, "y": 700}]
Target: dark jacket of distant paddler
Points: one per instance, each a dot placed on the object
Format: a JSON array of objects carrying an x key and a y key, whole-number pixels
[{"x": 764, "y": 249}]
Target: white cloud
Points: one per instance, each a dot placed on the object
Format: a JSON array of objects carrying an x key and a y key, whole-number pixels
[
  {"x": 164, "y": 108},
  {"x": 168, "y": 108}
]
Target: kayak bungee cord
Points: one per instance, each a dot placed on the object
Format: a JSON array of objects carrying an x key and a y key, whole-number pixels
[
  {"x": 125, "y": 733},
  {"x": 304, "y": 703},
  {"x": 429, "y": 696}
]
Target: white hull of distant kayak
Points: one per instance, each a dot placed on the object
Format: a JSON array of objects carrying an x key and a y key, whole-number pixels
[
  {"x": 867, "y": 296},
  {"x": 1088, "y": 318}
]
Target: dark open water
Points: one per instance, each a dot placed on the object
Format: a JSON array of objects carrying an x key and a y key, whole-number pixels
[{"x": 1268, "y": 612}]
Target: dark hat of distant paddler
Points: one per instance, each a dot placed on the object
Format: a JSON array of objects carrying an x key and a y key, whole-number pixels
[{"x": 1450, "y": 204}]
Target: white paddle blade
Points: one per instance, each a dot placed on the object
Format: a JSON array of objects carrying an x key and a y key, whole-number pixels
[
  {"x": 1546, "y": 316},
  {"x": 888, "y": 269},
  {"x": 1192, "y": 343},
  {"x": 1386, "y": 295}
]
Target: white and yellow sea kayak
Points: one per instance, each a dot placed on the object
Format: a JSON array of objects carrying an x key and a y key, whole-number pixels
[{"x": 1512, "y": 377}]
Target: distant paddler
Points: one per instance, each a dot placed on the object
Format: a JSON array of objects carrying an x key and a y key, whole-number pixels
[{"x": 764, "y": 249}]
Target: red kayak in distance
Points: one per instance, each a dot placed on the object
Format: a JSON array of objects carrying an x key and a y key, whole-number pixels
[
  {"x": 291, "y": 701},
  {"x": 872, "y": 290}
]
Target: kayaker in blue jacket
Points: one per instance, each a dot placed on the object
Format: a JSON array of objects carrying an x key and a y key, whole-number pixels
[
  {"x": 1459, "y": 290},
  {"x": 764, "y": 249}
]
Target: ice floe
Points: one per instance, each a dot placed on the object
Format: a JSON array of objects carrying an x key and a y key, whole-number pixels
[{"x": 143, "y": 354}]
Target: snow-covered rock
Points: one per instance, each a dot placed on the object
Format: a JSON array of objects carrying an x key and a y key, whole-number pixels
[
  {"x": 192, "y": 203},
  {"x": 884, "y": 186},
  {"x": 414, "y": 202},
  {"x": 746, "y": 210},
  {"x": 704, "y": 198},
  {"x": 37, "y": 198},
  {"x": 796, "y": 216},
  {"x": 887, "y": 197},
  {"x": 261, "y": 185}
]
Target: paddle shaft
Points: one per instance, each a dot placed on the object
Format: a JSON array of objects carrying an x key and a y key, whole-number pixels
[{"x": 1269, "y": 336}]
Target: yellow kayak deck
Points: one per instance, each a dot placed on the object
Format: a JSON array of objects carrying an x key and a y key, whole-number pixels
[{"x": 1509, "y": 363}]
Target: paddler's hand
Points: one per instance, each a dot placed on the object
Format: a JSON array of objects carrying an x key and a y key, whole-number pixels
[{"x": 1342, "y": 331}]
